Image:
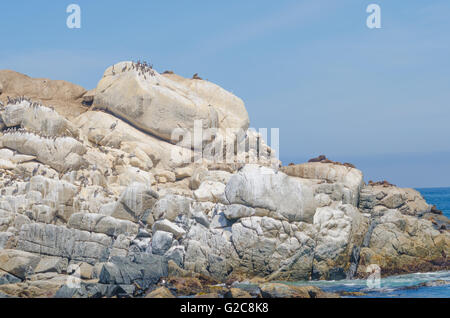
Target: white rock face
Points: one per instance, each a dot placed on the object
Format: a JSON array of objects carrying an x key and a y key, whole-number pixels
[
  {"x": 167, "y": 226},
  {"x": 379, "y": 198},
  {"x": 18, "y": 263},
  {"x": 69, "y": 243},
  {"x": 237, "y": 211},
  {"x": 98, "y": 223},
  {"x": 231, "y": 109},
  {"x": 274, "y": 248},
  {"x": 339, "y": 231},
  {"x": 97, "y": 125},
  {"x": 6, "y": 164},
  {"x": 350, "y": 178},
  {"x": 152, "y": 103},
  {"x": 37, "y": 118},
  {"x": 62, "y": 153},
  {"x": 262, "y": 187},
  {"x": 169, "y": 207},
  {"x": 136, "y": 199},
  {"x": 210, "y": 191},
  {"x": 58, "y": 191}
]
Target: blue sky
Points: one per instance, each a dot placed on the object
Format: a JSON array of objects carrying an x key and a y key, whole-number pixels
[{"x": 377, "y": 98}]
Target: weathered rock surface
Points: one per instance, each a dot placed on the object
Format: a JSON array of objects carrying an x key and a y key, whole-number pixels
[
  {"x": 380, "y": 198},
  {"x": 350, "y": 178},
  {"x": 62, "y": 154},
  {"x": 97, "y": 203},
  {"x": 144, "y": 270},
  {"x": 402, "y": 244},
  {"x": 161, "y": 292},
  {"x": 64, "y": 96},
  {"x": 47, "y": 239},
  {"x": 18, "y": 263},
  {"x": 152, "y": 103},
  {"x": 265, "y": 188},
  {"x": 230, "y": 109},
  {"x": 102, "y": 224},
  {"x": 276, "y": 290},
  {"x": 134, "y": 202},
  {"x": 37, "y": 118},
  {"x": 341, "y": 231}
]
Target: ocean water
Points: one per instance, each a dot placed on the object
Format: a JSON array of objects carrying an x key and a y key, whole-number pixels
[
  {"x": 440, "y": 197},
  {"x": 418, "y": 285}
]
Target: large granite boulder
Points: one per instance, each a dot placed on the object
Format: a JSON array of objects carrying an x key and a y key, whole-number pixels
[
  {"x": 230, "y": 108},
  {"x": 261, "y": 187},
  {"x": 151, "y": 102},
  {"x": 37, "y": 118},
  {"x": 62, "y": 154},
  {"x": 18, "y": 263},
  {"x": 340, "y": 235},
  {"x": 134, "y": 202},
  {"x": 59, "y": 241},
  {"x": 350, "y": 178},
  {"x": 109, "y": 194},
  {"x": 379, "y": 198},
  {"x": 143, "y": 270},
  {"x": 103, "y": 129}
]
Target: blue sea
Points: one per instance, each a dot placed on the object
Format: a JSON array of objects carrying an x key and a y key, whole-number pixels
[
  {"x": 401, "y": 286},
  {"x": 440, "y": 197},
  {"x": 418, "y": 285}
]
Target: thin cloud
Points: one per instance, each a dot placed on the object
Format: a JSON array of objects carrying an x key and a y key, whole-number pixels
[{"x": 289, "y": 16}]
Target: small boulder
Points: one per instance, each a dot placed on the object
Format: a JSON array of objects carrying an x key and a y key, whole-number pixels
[
  {"x": 167, "y": 226},
  {"x": 161, "y": 242},
  {"x": 237, "y": 293},
  {"x": 237, "y": 211},
  {"x": 52, "y": 264},
  {"x": 161, "y": 292}
]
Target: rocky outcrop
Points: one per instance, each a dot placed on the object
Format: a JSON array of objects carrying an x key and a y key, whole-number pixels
[
  {"x": 64, "y": 96},
  {"x": 341, "y": 232},
  {"x": 143, "y": 270},
  {"x": 37, "y": 118},
  {"x": 380, "y": 198},
  {"x": 105, "y": 130},
  {"x": 98, "y": 223},
  {"x": 97, "y": 203},
  {"x": 277, "y": 290},
  {"x": 289, "y": 198},
  {"x": 402, "y": 244},
  {"x": 62, "y": 153},
  {"x": 152, "y": 102},
  {"x": 350, "y": 179},
  {"x": 230, "y": 108},
  {"x": 18, "y": 263},
  {"x": 47, "y": 239}
]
